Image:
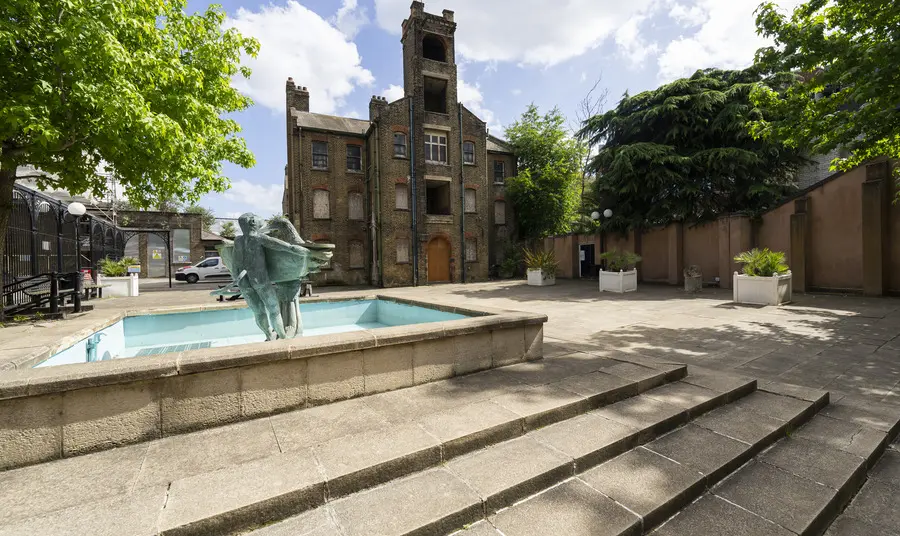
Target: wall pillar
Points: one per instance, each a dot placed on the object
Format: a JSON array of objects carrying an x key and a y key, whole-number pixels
[
  {"x": 676, "y": 253},
  {"x": 875, "y": 228},
  {"x": 735, "y": 236},
  {"x": 800, "y": 243},
  {"x": 638, "y": 247}
]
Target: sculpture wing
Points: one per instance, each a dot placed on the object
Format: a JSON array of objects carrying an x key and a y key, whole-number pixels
[{"x": 226, "y": 252}]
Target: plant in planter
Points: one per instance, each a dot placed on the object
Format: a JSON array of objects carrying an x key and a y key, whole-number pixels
[
  {"x": 693, "y": 279},
  {"x": 766, "y": 278},
  {"x": 621, "y": 273},
  {"x": 116, "y": 277},
  {"x": 541, "y": 267}
]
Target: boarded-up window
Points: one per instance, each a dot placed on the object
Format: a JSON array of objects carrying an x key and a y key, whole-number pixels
[
  {"x": 321, "y": 205},
  {"x": 402, "y": 250},
  {"x": 402, "y": 197},
  {"x": 500, "y": 212},
  {"x": 470, "y": 200},
  {"x": 471, "y": 250},
  {"x": 356, "y": 254},
  {"x": 356, "y": 206}
]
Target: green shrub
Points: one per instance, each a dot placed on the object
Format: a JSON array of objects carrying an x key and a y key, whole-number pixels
[
  {"x": 617, "y": 261},
  {"x": 119, "y": 268},
  {"x": 511, "y": 265},
  {"x": 541, "y": 260},
  {"x": 762, "y": 262}
]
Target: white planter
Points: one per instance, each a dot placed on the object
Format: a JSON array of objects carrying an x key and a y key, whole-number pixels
[
  {"x": 693, "y": 283},
  {"x": 618, "y": 281},
  {"x": 124, "y": 287},
  {"x": 773, "y": 290},
  {"x": 536, "y": 278}
]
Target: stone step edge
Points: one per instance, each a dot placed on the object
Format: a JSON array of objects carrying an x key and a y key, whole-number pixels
[
  {"x": 520, "y": 491},
  {"x": 421, "y": 460}
]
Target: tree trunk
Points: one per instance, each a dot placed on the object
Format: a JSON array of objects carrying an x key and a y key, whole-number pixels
[{"x": 7, "y": 180}]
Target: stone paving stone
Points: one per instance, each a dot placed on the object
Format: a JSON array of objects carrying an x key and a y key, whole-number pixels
[
  {"x": 811, "y": 460},
  {"x": 433, "y": 502},
  {"x": 545, "y": 371},
  {"x": 134, "y": 514},
  {"x": 571, "y": 509},
  {"x": 543, "y": 404},
  {"x": 847, "y": 526},
  {"x": 181, "y": 456},
  {"x": 38, "y": 489},
  {"x": 793, "y": 502},
  {"x": 783, "y": 408},
  {"x": 509, "y": 471},
  {"x": 599, "y": 388},
  {"x": 713, "y": 516},
  {"x": 741, "y": 424},
  {"x": 843, "y": 435},
  {"x": 305, "y": 428},
  {"x": 244, "y": 495},
  {"x": 313, "y": 523},
  {"x": 691, "y": 397},
  {"x": 589, "y": 439},
  {"x": 650, "y": 416},
  {"x": 887, "y": 469},
  {"x": 363, "y": 460},
  {"x": 882, "y": 417},
  {"x": 722, "y": 382},
  {"x": 795, "y": 391},
  {"x": 646, "y": 377},
  {"x": 473, "y": 426},
  {"x": 482, "y": 528},
  {"x": 877, "y": 503},
  {"x": 710, "y": 453},
  {"x": 646, "y": 483}
]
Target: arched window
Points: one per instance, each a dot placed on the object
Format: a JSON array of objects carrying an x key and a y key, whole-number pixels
[{"x": 433, "y": 48}]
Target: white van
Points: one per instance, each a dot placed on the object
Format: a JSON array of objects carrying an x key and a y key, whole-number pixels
[{"x": 209, "y": 268}]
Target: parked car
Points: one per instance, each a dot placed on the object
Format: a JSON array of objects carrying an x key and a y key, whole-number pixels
[{"x": 211, "y": 268}]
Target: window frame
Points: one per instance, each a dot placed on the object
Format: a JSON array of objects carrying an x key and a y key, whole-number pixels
[
  {"x": 474, "y": 202},
  {"x": 357, "y": 159},
  {"x": 362, "y": 206},
  {"x": 405, "y": 196},
  {"x": 432, "y": 139},
  {"x": 327, "y": 204},
  {"x": 502, "y": 172},
  {"x": 466, "y": 243},
  {"x": 472, "y": 153},
  {"x": 404, "y": 145},
  {"x": 315, "y": 155},
  {"x": 503, "y": 201}
]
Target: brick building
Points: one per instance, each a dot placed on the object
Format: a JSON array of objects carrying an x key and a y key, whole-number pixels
[{"x": 416, "y": 193}]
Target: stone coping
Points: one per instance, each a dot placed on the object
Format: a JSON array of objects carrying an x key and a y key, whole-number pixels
[{"x": 23, "y": 382}]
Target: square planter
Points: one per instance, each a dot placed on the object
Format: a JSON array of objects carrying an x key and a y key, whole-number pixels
[
  {"x": 693, "y": 283},
  {"x": 618, "y": 281},
  {"x": 537, "y": 278},
  {"x": 123, "y": 287},
  {"x": 752, "y": 290}
]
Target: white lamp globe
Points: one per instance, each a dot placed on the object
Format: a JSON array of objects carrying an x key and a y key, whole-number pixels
[
  {"x": 595, "y": 215},
  {"x": 76, "y": 209},
  {"x": 607, "y": 213}
]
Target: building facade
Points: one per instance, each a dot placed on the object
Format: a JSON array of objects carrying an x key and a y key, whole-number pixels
[{"x": 415, "y": 194}]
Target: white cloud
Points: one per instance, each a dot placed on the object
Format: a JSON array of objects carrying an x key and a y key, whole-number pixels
[
  {"x": 688, "y": 15},
  {"x": 393, "y": 92},
  {"x": 525, "y": 31},
  {"x": 631, "y": 43},
  {"x": 727, "y": 39},
  {"x": 470, "y": 95},
  {"x": 263, "y": 198},
  {"x": 297, "y": 42},
  {"x": 516, "y": 92},
  {"x": 350, "y": 18}
]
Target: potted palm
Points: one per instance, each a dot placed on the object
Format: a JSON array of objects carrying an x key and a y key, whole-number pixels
[
  {"x": 620, "y": 274},
  {"x": 541, "y": 267},
  {"x": 693, "y": 279},
  {"x": 766, "y": 278}
]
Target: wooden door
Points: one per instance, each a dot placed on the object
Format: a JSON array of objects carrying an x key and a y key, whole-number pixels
[{"x": 438, "y": 260}]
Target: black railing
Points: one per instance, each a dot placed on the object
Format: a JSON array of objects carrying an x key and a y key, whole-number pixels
[{"x": 42, "y": 292}]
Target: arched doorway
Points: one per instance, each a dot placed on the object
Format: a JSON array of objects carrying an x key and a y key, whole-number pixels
[{"x": 438, "y": 255}]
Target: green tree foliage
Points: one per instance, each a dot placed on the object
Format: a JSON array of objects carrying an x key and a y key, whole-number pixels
[
  {"x": 206, "y": 216},
  {"x": 683, "y": 152},
  {"x": 228, "y": 231},
  {"x": 843, "y": 57},
  {"x": 545, "y": 192},
  {"x": 137, "y": 87}
]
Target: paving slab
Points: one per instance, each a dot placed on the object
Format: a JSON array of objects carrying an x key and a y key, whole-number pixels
[
  {"x": 572, "y": 509},
  {"x": 693, "y": 398},
  {"x": 316, "y": 522},
  {"x": 39, "y": 489},
  {"x": 712, "y": 454},
  {"x": 848, "y": 526},
  {"x": 713, "y": 516},
  {"x": 877, "y": 503},
  {"x": 645, "y": 377},
  {"x": 813, "y": 461},
  {"x": 547, "y": 371},
  {"x": 507, "y": 472},
  {"x": 245, "y": 495},
  {"x": 363, "y": 460},
  {"x": 482, "y": 528},
  {"x": 650, "y": 416},
  {"x": 599, "y": 388},
  {"x": 788, "y": 500},
  {"x": 887, "y": 469},
  {"x": 305, "y": 428},
  {"x": 433, "y": 502},
  {"x": 883, "y": 417},
  {"x": 473, "y": 426},
  {"x": 844, "y": 435},
  {"x": 784, "y": 408},
  {"x": 722, "y": 382},
  {"x": 741, "y": 424},
  {"x": 589, "y": 439},
  {"x": 650, "y": 485},
  {"x": 542, "y": 405}
]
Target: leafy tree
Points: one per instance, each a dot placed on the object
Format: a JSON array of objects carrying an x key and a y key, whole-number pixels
[
  {"x": 228, "y": 230},
  {"x": 206, "y": 216},
  {"x": 683, "y": 152},
  {"x": 135, "y": 87},
  {"x": 846, "y": 90},
  {"x": 545, "y": 192}
]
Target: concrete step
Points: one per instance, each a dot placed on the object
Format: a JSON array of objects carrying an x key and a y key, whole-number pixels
[
  {"x": 241, "y": 476},
  {"x": 493, "y": 478}
]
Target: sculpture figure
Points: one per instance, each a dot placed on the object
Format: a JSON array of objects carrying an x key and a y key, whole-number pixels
[{"x": 268, "y": 264}]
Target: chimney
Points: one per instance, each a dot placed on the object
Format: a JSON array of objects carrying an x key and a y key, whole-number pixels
[
  {"x": 376, "y": 104},
  {"x": 448, "y": 15},
  {"x": 297, "y": 97}
]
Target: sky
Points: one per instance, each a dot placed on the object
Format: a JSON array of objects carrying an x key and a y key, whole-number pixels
[{"x": 510, "y": 53}]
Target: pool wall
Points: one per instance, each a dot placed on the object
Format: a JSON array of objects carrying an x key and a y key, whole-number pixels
[{"x": 54, "y": 412}]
